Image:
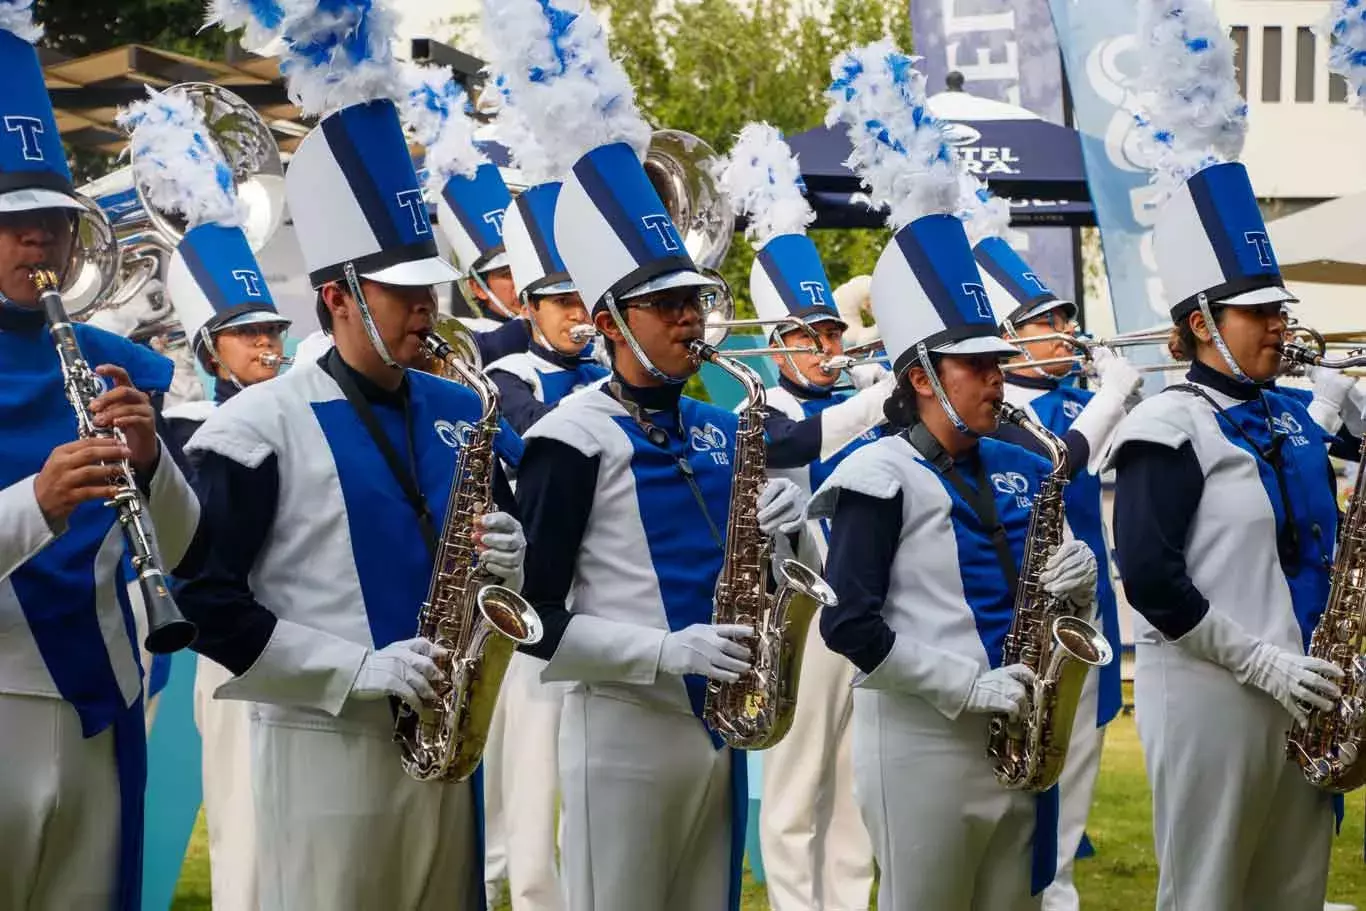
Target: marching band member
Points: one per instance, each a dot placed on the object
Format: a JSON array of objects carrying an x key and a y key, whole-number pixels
[
  {"x": 224, "y": 304},
  {"x": 928, "y": 531},
  {"x": 1225, "y": 519},
  {"x": 625, "y": 489},
  {"x": 815, "y": 849},
  {"x": 321, "y": 488},
  {"x": 520, "y": 767},
  {"x": 1085, "y": 421},
  {"x": 70, "y": 681}
]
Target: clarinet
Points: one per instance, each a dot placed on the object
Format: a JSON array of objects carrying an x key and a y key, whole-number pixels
[{"x": 168, "y": 630}]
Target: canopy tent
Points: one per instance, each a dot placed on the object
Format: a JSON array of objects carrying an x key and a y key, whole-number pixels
[
  {"x": 1323, "y": 244},
  {"x": 1034, "y": 163}
]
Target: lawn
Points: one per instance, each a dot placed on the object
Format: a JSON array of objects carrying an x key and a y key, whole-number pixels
[{"x": 1121, "y": 877}]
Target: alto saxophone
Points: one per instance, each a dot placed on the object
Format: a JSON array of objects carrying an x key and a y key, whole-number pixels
[
  {"x": 168, "y": 630},
  {"x": 479, "y": 622},
  {"x": 1046, "y": 636},
  {"x": 1329, "y": 749},
  {"x": 756, "y": 711}
]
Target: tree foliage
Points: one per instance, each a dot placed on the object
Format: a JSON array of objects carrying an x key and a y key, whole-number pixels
[
  {"x": 79, "y": 27},
  {"x": 711, "y": 66}
]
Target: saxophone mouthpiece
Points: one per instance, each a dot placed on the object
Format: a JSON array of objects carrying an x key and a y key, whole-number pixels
[
  {"x": 271, "y": 359},
  {"x": 44, "y": 279}
]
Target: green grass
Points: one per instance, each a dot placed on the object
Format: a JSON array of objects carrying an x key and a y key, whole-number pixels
[{"x": 1121, "y": 877}]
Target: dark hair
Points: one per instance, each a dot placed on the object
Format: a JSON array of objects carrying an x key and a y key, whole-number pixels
[
  {"x": 902, "y": 407},
  {"x": 324, "y": 314},
  {"x": 1186, "y": 341}
]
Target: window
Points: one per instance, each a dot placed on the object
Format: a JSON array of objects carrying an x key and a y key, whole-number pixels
[
  {"x": 1337, "y": 88},
  {"x": 1240, "y": 57},
  {"x": 1304, "y": 65},
  {"x": 1271, "y": 63}
]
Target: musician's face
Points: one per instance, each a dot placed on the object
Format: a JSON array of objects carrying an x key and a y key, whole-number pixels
[
  {"x": 973, "y": 384},
  {"x": 663, "y": 323},
  {"x": 499, "y": 281},
  {"x": 402, "y": 313},
  {"x": 1253, "y": 335},
  {"x": 240, "y": 348},
  {"x": 40, "y": 237},
  {"x": 555, "y": 315},
  {"x": 831, "y": 335},
  {"x": 1054, "y": 322}
]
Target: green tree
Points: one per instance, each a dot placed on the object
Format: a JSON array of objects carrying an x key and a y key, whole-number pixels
[{"x": 711, "y": 66}]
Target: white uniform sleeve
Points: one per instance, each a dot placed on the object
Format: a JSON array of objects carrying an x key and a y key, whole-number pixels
[
  {"x": 843, "y": 423},
  {"x": 174, "y": 509},
  {"x": 595, "y": 650},
  {"x": 302, "y": 667},
  {"x": 25, "y": 530}
]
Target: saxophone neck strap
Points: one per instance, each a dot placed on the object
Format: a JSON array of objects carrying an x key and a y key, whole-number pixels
[
  {"x": 978, "y": 498},
  {"x": 405, "y": 475}
]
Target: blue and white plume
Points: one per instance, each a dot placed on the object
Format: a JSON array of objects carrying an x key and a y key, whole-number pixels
[
  {"x": 1193, "y": 114},
  {"x": 900, "y": 150},
  {"x": 1346, "y": 29},
  {"x": 434, "y": 109},
  {"x": 983, "y": 213},
  {"x": 175, "y": 164},
  {"x": 515, "y": 133},
  {"x": 334, "y": 53},
  {"x": 763, "y": 181},
  {"x": 16, "y": 17},
  {"x": 560, "y": 72}
]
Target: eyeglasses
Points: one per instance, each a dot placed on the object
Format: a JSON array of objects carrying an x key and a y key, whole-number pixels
[
  {"x": 671, "y": 306},
  {"x": 1057, "y": 319}
]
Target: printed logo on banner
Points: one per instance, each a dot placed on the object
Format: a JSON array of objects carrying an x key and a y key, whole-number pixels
[
  {"x": 712, "y": 440},
  {"x": 1012, "y": 484},
  {"x": 454, "y": 435},
  {"x": 663, "y": 227},
  {"x": 251, "y": 281},
  {"x": 417, "y": 208},
  {"x": 495, "y": 218},
  {"x": 29, "y": 129}
]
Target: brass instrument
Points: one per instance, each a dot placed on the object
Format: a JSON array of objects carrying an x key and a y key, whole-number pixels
[
  {"x": 1047, "y": 637},
  {"x": 168, "y": 630},
  {"x": 270, "y": 359},
  {"x": 478, "y": 621},
  {"x": 756, "y": 711},
  {"x": 676, "y": 163}
]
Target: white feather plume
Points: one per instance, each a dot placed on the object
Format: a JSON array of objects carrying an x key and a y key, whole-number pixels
[
  {"x": 1193, "y": 115},
  {"x": 16, "y": 17},
  {"x": 174, "y": 162},
  {"x": 433, "y": 107},
  {"x": 517, "y": 136},
  {"x": 763, "y": 180},
  {"x": 1346, "y": 29},
  {"x": 984, "y": 214},
  {"x": 334, "y": 53},
  {"x": 899, "y": 148},
  {"x": 562, "y": 76}
]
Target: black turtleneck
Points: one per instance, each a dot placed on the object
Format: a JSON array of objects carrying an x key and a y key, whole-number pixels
[
  {"x": 805, "y": 392},
  {"x": 17, "y": 319},
  {"x": 1234, "y": 388}
]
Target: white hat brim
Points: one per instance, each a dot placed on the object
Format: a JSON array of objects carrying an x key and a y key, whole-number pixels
[
  {"x": 1274, "y": 294},
  {"x": 418, "y": 272},
  {"x": 254, "y": 317},
  {"x": 496, "y": 262},
  {"x": 32, "y": 199},
  {"x": 982, "y": 344},
  {"x": 684, "y": 278},
  {"x": 564, "y": 287}
]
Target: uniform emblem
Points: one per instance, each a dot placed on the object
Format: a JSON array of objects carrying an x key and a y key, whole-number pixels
[
  {"x": 1012, "y": 484},
  {"x": 29, "y": 129},
  {"x": 815, "y": 292},
  {"x": 495, "y": 218},
  {"x": 417, "y": 208},
  {"x": 712, "y": 440},
  {"x": 1072, "y": 409},
  {"x": 251, "y": 281},
  {"x": 1289, "y": 425},
  {"x": 1259, "y": 240},
  {"x": 663, "y": 227},
  {"x": 454, "y": 435},
  {"x": 979, "y": 298}
]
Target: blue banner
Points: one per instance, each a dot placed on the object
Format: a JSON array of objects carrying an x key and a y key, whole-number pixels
[
  {"x": 1099, "y": 53},
  {"x": 1006, "y": 51}
]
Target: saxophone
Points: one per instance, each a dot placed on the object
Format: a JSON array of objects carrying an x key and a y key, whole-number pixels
[
  {"x": 479, "y": 623},
  {"x": 1047, "y": 637},
  {"x": 168, "y": 630},
  {"x": 756, "y": 711},
  {"x": 1329, "y": 748}
]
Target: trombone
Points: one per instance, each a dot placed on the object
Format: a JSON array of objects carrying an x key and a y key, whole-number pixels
[{"x": 1159, "y": 335}]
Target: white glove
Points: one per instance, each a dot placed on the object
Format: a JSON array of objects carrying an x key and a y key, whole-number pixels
[
  {"x": 404, "y": 669},
  {"x": 781, "y": 507},
  {"x": 1331, "y": 391},
  {"x": 1296, "y": 681},
  {"x": 1117, "y": 376},
  {"x": 707, "y": 650},
  {"x": 1286, "y": 676},
  {"x": 502, "y": 547},
  {"x": 843, "y": 423},
  {"x": 865, "y": 375},
  {"x": 1004, "y": 690},
  {"x": 1071, "y": 573}
]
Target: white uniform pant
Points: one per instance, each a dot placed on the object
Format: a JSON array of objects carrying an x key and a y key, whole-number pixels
[
  {"x": 946, "y": 836},
  {"x": 59, "y": 809},
  {"x": 225, "y": 743},
  {"x": 1236, "y": 826},
  {"x": 521, "y": 783},
  {"x": 816, "y": 852},
  {"x": 340, "y": 826},
  {"x": 1075, "y": 787},
  {"x": 647, "y": 808}
]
